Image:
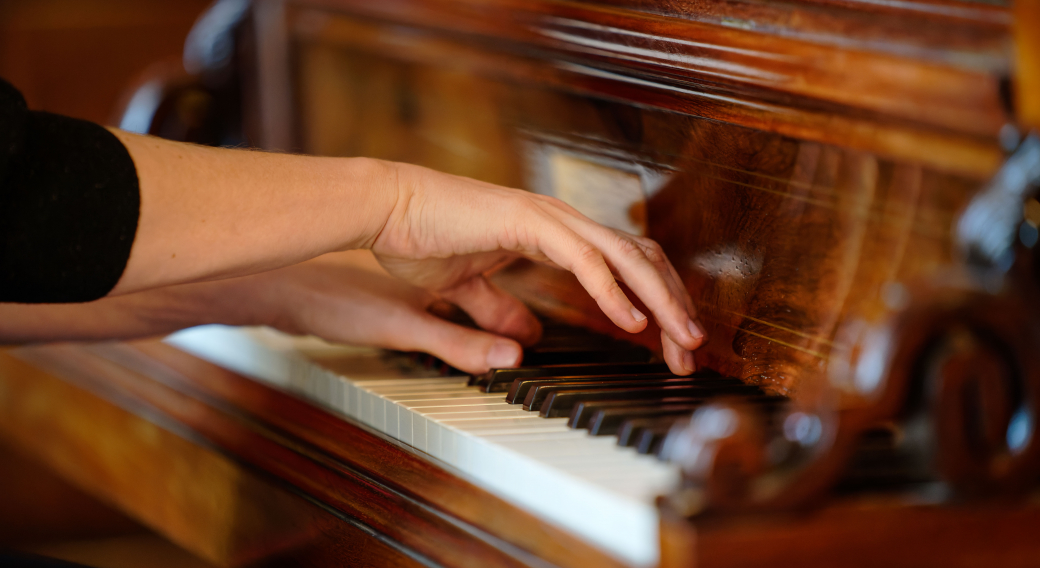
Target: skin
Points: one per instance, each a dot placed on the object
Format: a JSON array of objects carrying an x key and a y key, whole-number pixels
[
  {"x": 228, "y": 236},
  {"x": 343, "y": 297}
]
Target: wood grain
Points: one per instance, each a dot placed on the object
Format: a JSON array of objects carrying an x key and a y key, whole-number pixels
[
  {"x": 881, "y": 531},
  {"x": 1027, "y": 53},
  {"x": 345, "y": 468},
  {"x": 792, "y": 180},
  {"x": 196, "y": 497},
  {"x": 908, "y": 107}
]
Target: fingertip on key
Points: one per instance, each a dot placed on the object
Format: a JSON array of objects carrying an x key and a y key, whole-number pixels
[
  {"x": 503, "y": 354},
  {"x": 688, "y": 362},
  {"x": 696, "y": 331}
]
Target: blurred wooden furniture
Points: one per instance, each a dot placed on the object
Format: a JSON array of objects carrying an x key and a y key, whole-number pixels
[
  {"x": 76, "y": 57},
  {"x": 846, "y": 187}
]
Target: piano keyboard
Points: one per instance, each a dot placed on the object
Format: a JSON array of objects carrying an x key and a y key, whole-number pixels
[{"x": 572, "y": 444}]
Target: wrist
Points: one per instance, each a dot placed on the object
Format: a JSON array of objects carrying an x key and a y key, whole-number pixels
[{"x": 380, "y": 181}]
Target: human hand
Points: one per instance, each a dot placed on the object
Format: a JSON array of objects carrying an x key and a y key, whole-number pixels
[
  {"x": 339, "y": 299},
  {"x": 447, "y": 232}
]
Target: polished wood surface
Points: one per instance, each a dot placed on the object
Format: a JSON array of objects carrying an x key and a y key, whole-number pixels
[
  {"x": 38, "y": 507},
  {"x": 893, "y": 100},
  {"x": 879, "y": 531},
  {"x": 352, "y": 473},
  {"x": 803, "y": 164},
  {"x": 793, "y": 180},
  {"x": 1027, "y": 53},
  {"x": 78, "y": 57},
  {"x": 239, "y": 473}
]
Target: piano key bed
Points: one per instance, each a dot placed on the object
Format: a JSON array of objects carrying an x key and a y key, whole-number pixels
[{"x": 574, "y": 436}]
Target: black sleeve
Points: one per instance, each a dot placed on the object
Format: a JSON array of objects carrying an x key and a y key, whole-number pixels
[{"x": 69, "y": 204}]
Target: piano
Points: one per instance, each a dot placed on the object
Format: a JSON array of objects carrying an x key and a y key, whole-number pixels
[{"x": 846, "y": 187}]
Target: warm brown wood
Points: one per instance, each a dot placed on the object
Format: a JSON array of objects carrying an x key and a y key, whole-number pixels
[
  {"x": 874, "y": 101},
  {"x": 209, "y": 504},
  {"x": 369, "y": 452},
  {"x": 781, "y": 239},
  {"x": 338, "y": 464},
  {"x": 802, "y": 164},
  {"x": 76, "y": 57},
  {"x": 196, "y": 497},
  {"x": 1027, "y": 64},
  {"x": 878, "y": 532},
  {"x": 37, "y": 506}
]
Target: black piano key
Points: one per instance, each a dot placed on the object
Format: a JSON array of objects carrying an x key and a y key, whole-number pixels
[
  {"x": 541, "y": 389},
  {"x": 650, "y": 439},
  {"x": 587, "y": 414},
  {"x": 499, "y": 380},
  {"x": 583, "y": 411},
  {"x": 560, "y": 402},
  {"x": 565, "y": 344},
  {"x": 520, "y": 388},
  {"x": 630, "y": 430},
  {"x": 606, "y": 422}
]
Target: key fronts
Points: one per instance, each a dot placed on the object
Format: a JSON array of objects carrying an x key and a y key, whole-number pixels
[{"x": 610, "y": 387}]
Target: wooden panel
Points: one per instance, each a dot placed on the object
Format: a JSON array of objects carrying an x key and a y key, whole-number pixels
[
  {"x": 38, "y": 506},
  {"x": 344, "y": 467},
  {"x": 879, "y": 532},
  {"x": 195, "y": 496},
  {"x": 943, "y": 113},
  {"x": 781, "y": 240},
  {"x": 77, "y": 57},
  {"x": 1027, "y": 43},
  {"x": 366, "y": 451}
]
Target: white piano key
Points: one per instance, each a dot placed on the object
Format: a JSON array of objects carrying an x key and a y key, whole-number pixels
[
  {"x": 461, "y": 413},
  {"x": 419, "y": 431},
  {"x": 404, "y": 424},
  {"x": 378, "y": 412},
  {"x": 399, "y": 390},
  {"x": 584, "y": 484},
  {"x": 449, "y": 446},
  {"x": 501, "y": 416},
  {"x": 354, "y": 402},
  {"x": 433, "y": 438},
  {"x": 432, "y": 410},
  {"x": 391, "y": 420},
  {"x": 336, "y": 397},
  {"x": 404, "y": 381},
  {"x": 460, "y": 404},
  {"x": 524, "y": 423},
  {"x": 445, "y": 396},
  {"x": 367, "y": 407}
]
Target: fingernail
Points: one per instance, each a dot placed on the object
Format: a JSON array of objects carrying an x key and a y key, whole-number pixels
[
  {"x": 688, "y": 362},
  {"x": 638, "y": 315},
  {"x": 695, "y": 330},
  {"x": 503, "y": 354}
]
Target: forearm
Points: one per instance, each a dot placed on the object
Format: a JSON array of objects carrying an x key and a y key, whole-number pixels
[
  {"x": 263, "y": 299},
  {"x": 144, "y": 314},
  {"x": 209, "y": 213}
]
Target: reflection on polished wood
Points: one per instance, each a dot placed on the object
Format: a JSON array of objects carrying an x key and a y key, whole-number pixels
[
  {"x": 235, "y": 472},
  {"x": 805, "y": 166},
  {"x": 782, "y": 230},
  {"x": 380, "y": 489}
]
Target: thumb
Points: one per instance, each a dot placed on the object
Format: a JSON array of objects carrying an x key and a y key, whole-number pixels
[{"x": 471, "y": 350}]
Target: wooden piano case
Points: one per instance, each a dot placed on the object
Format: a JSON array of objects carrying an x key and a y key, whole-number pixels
[{"x": 804, "y": 165}]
